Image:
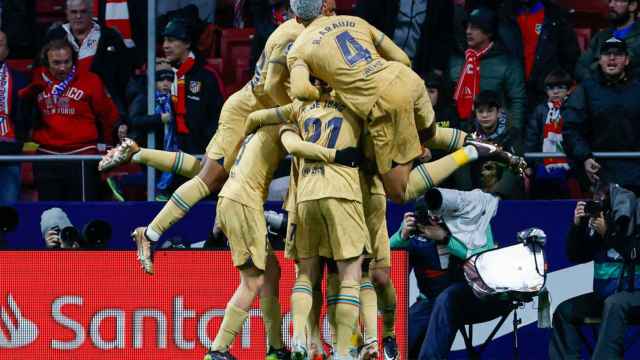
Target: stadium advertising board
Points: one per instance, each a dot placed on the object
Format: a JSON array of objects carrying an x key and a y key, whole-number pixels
[{"x": 100, "y": 305}]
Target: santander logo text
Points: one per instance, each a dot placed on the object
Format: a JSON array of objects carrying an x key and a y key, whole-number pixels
[{"x": 20, "y": 332}]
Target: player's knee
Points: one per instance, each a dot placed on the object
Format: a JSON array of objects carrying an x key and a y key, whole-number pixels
[
  {"x": 396, "y": 196},
  {"x": 255, "y": 283}
]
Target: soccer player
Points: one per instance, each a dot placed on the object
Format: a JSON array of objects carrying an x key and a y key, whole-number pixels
[
  {"x": 332, "y": 223},
  {"x": 266, "y": 89},
  {"x": 372, "y": 76},
  {"x": 240, "y": 216}
]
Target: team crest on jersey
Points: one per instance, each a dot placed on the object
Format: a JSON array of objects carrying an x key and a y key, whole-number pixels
[{"x": 195, "y": 86}]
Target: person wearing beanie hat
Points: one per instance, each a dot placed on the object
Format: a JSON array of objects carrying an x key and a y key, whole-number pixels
[{"x": 52, "y": 222}]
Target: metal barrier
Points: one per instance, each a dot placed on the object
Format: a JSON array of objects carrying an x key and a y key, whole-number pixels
[{"x": 151, "y": 180}]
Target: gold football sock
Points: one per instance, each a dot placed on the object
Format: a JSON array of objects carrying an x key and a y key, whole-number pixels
[
  {"x": 231, "y": 326},
  {"x": 301, "y": 302},
  {"x": 347, "y": 310},
  {"x": 187, "y": 195},
  {"x": 448, "y": 139},
  {"x": 176, "y": 162},
  {"x": 313, "y": 322},
  {"x": 272, "y": 321},
  {"x": 387, "y": 305},
  {"x": 368, "y": 308},
  {"x": 333, "y": 288},
  {"x": 425, "y": 176}
]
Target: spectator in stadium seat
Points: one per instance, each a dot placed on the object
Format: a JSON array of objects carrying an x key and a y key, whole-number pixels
[
  {"x": 100, "y": 49},
  {"x": 74, "y": 116},
  {"x": 13, "y": 126},
  {"x": 423, "y": 29},
  {"x": 490, "y": 125},
  {"x": 162, "y": 123},
  {"x": 197, "y": 97},
  {"x": 602, "y": 114},
  {"x": 615, "y": 298},
  {"x": 538, "y": 33},
  {"x": 488, "y": 66},
  {"x": 544, "y": 134},
  {"x": 622, "y": 16}
]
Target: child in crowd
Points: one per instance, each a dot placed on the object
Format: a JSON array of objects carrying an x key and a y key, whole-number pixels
[
  {"x": 162, "y": 123},
  {"x": 551, "y": 176},
  {"x": 491, "y": 124}
]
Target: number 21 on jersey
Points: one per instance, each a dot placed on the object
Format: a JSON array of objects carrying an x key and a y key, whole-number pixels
[
  {"x": 352, "y": 51},
  {"x": 313, "y": 130}
]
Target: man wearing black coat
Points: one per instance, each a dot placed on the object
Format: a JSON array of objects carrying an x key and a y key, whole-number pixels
[
  {"x": 425, "y": 34},
  {"x": 603, "y": 114}
]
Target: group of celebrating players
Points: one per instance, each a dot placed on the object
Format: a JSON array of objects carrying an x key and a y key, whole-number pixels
[{"x": 341, "y": 98}]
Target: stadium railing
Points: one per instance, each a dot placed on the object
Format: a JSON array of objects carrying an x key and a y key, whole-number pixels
[{"x": 84, "y": 158}]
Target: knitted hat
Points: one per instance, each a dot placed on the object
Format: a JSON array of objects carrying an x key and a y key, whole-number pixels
[
  {"x": 306, "y": 9},
  {"x": 484, "y": 18},
  {"x": 53, "y": 217}
]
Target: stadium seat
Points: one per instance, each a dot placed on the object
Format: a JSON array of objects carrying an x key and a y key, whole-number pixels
[
  {"x": 50, "y": 11},
  {"x": 235, "y": 50},
  {"x": 584, "y": 37}
]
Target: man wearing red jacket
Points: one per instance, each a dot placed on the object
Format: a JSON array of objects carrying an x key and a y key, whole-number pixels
[{"x": 76, "y": 114}]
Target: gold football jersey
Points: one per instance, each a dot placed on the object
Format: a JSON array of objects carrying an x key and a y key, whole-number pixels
[
  {"x": 251, "y": 174},
  {"x": 275, "y": 53},
  {"x": 341, "y": 51},
  {"x": 331, "y": 124}
]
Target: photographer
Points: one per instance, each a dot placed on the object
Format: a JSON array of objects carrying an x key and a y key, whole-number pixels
[
  {"x": 59, "y": 233},
  {"x": 438, "y": 242},
  {"x": 595, "y": 236}
]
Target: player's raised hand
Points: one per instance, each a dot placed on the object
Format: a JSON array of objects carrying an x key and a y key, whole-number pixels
[{"x": 350, "y": 156}]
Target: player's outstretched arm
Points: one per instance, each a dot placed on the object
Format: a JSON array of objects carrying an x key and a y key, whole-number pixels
[
  {"x": 296, "y": 146},
  {"x": 388, "y": 49},
  {"x": 301, "y": 86},
  {"x": 260, "y": 118}
]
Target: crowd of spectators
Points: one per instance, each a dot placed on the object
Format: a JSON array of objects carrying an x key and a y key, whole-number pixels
[{"x": 510, "y": 71}]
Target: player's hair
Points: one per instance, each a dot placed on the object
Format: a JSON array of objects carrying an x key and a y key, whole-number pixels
[
  {"x": 307, "y": 9},
  {"x": 487, "y": 98},
  {"x": 56, "y": 44}
]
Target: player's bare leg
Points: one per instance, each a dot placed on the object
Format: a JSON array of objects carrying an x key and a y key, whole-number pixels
[
  {"x": 314, "y": 331},
  {"x": 347, "y": 304},
  {"x": 302, "y": 302},
  {"x": 237, "y": 311}
]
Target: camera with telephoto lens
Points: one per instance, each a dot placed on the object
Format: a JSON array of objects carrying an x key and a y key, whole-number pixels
[
  {"x": 593, "y": 208},
  {"x": 69, "y": 237}
]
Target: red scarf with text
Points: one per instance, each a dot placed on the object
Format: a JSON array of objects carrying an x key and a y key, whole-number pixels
[
  {"x": 552, "y": 136},
  {"x": 180, "y": 101},
  {"x": 6, "y": 87},
  {"x": 469, "y": 83}
]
